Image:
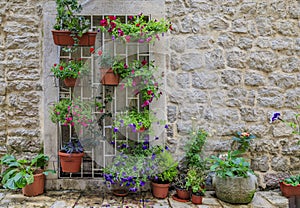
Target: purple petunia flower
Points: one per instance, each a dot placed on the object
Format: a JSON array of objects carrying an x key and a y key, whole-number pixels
[
  {"x": 113, "y": 37},
  {"x": 275, "y": 116},
  {"x": 153, "y": 156},
  {"x": 166, "y": 126},
  {"x": 115, "y": 129},
  {"x": 142, "y": 183}
]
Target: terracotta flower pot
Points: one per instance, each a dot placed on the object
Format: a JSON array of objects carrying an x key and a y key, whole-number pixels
[
  {"x": 70, "y": 82},
  {"x": 108, "y": 77},
  {"x": 160, "y": 190},
  {"x": 288, "y": 190},
  {"x": 183, "y": 193},
  {"x": 37, "y": 187},
  {"x": 196, "y": 199},
  {"x": 70, "y": 163},
  {"x": 63, "y": 38}
]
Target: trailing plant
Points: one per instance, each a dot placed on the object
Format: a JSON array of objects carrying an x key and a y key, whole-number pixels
[
  {"x": 295, "y": 124},
  {"x": 19, "y": 173},
  {"x": 137, "y": 28},
  {"x": 60, "y": 112}
]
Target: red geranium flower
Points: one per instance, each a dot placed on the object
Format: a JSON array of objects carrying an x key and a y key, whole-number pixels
[
  {"x": 112, "y": 17},
  {"x": 61, "y": 68}
]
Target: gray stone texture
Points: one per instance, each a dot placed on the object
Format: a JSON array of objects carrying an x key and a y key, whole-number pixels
[{"x": 248, "y": 68}]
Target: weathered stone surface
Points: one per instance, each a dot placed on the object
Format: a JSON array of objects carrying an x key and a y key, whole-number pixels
[
  {"x": 282, "y": 81},
  {"x": 226, "y": 40},
  {"x": 236, "y": 59},
  {"x": 171, "y": 113},
  {"x": 254, "y": 79},
  {"x": 287, "y": 28},
  {"x": 178, "y": 44},
  {"x": 192, "y": 61},
  {"x": 231, "y": 77},
  {"x": 197, "y": 42},
  {"x": 245, "y": 43},
  {"x": 218, "y": 23},
  {"x": 270, "y": 97},
  {"x": 281, "y": 43},
  {"x": 260, "y": 164},
  {"x": 203, "y": 80},
  {"x": 215, "y": 59},
  {"x": 239, "y": 26},
  {"x": 264, "y": 26},
  {"x": 279, "y": 164},
  {"x": 263, "y": 60},
  {"x": 290, "y": 64},
  {"x": 183, "y": 80}
]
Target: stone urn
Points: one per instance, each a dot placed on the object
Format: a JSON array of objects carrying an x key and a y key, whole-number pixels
[{"x": 235, "y": 190}]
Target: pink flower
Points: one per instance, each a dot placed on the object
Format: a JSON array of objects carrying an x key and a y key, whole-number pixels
[
  {"x": 127, "y": 37},
  {"x": 132, "y": 71},
  {"x": 103, "y": 23},
  {"x": 100, "y": 52},
  {"x": 112, "y": 17}
]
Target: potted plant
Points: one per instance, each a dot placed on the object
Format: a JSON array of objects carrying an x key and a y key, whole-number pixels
[
  {"x": 26, "y": 174},
  {"x": 69, "y": 71},
  {"x": 71, "y": 29},
  {"x": 71, "y": 155},
  {"x": 138, "y": 121},
  {"x": 108, "y": 77},
  {"x": 164, "y": 172},
  {"x": 137, "y": 27},
  {"x": 182, "y": 188},
  {"x": 196, "y": 180},
  {"x": 290, "y": 186},
  {"x": 129, "y": 170},
  {"x": 234, "y": 180}
]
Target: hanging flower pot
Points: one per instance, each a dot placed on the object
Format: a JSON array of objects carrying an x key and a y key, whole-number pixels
[
  {"x": 108, "y": 77},
  {"x": 37, "y": 187},
  {"x": 70, "y": 82},
  {"x": 64, "y": 38}
]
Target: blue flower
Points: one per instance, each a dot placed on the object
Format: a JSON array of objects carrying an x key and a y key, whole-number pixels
[
  {"x": 142, "y": 183},
  {"x": 153, "y": 156},
  {"x": 166, "y": 126},
  {"x": 274, "y": 117},
  {"x": 116, "y": 129}
]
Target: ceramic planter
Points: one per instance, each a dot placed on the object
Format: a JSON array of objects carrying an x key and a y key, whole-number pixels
[
  {"x": 63, "y": 38},
  {"x": 288, "y": 190},
  {"x": 108, "y": 77},
  {"x": 70, "y": 163},
  {"x": 37, "y": 187},
  {"x": 235, "y": 190},
  {"x": 160, "y": 190},
  {"x": 70, "y": 82}
]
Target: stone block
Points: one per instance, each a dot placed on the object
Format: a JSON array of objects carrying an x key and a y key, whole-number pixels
[
  {"x": 245, "y": 43},
  {"x": 183, "y": 80},
  {"x": 239, "y": 26},
  {"x": 215, "y": 59},
  {"x": 264, "y": 26},
  {"x": 171, "y": 113},
  {"x": 204, "y": 80},
  {"x": 260, "y": 164},
  {"x": 282, "y": 81},
  {"x": 192, "y": 61},
  {"x": 177, "y": 44},
  {"x": 218, "y": 24},
  {"x": 231, "y": 77},
  {"x": 281, "y": 44},
  {"x": 265, "y": 61},
  {"x": 254, "y": 79},
  {"x": 290, "y": 64},
  {"x": 269, "y": 97},
  {"x": 287, "y": 28},
  {"x": 197, "y": 42},
  {"x": 236, "y": 59}
]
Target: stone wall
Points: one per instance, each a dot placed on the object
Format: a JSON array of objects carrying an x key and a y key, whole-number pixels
[
  {"x": 233, "y": 63},
  {"x": 20, "y": 77}
]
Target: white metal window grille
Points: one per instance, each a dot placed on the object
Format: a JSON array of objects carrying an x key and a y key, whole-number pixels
[{"x": 98, "y": 144}]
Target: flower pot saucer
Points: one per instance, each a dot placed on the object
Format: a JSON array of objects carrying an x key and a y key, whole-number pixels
[{"x": 176, "y": 198}]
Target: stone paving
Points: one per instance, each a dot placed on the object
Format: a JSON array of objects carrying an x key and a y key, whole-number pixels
[{"x": 92, "y": 199}]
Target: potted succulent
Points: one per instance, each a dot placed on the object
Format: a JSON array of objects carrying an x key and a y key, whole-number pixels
[
  {"x": 234, "y": 180},
  {"x": 196, "y": 180},
  {"x": 137, "y": 27},
  {"x": 71, "y": 155},
  {"x": 69, "y": 71},
  {"x": 71, "y": 29},
  {"x": 165, "y": 171},
  {"x": 26, "y": 174}
]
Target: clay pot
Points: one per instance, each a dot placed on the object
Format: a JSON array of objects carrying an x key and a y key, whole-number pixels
[
  {"x": 70, "y": 82},
  {"x": 70, "y": 163},
  {"x": 37, "y": 187},
  {"x": 108, "y": 77},
  {"x": 63, "y": 38},
  {"x": 288, "y": 190},
  {"x": 160, "y": 190},
  {"x": 183, "y": 193},
  {"x": 196, "y": 199}
]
